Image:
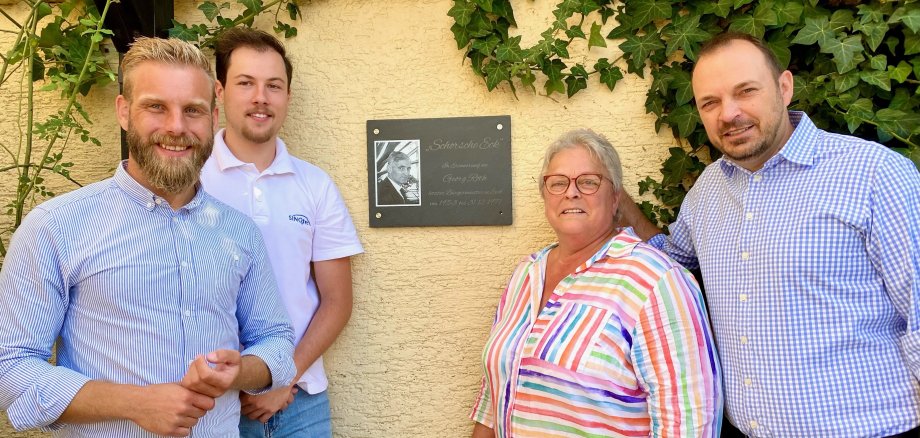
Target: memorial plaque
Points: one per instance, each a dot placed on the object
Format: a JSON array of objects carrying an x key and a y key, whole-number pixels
[{"x": 439, "y": 172}]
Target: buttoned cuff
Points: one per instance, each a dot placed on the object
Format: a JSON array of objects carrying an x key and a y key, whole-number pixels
[
  {"x": 280, "y": 363},
  {"x": 910, "y": 350},
  {"x": 42, "y": 403}
]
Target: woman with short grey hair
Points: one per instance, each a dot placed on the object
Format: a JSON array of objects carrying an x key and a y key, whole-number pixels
[{"x": 599, "y": 334}]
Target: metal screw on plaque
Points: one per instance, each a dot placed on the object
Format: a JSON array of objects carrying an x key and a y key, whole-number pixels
[
  {"x": 376, "y": 131},
  {"x": 499, "y": 127},
  {"x": 379, "y": 215}
]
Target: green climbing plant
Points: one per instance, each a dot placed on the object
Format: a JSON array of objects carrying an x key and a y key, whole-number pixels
[
  {"x": 856, "y": 65},
  {"x": 223, "y": 16},
  {"x": 55, "y": 49}
]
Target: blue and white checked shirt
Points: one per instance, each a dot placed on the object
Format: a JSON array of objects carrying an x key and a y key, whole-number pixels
[
  {"x": 135, "y": 291},
  {"x": 811, "y": 267}
]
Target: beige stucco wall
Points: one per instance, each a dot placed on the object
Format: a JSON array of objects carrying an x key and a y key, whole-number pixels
[{"x": 408, "y": 363}]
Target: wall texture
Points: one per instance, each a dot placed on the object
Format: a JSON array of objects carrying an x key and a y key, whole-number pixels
[{"x": 408, "y": 363}]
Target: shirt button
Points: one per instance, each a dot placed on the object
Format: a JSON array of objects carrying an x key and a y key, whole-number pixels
[
  {"x": 744, "y": 339},
  {"x": 175, "y": 219},
  {"x": 184, "y": 264},
  {"x": 745, "y": 255},
  {"x": 188, "y": 313},
  {"x": 757, "y": 178},
  {"x": 158, "y": 201},
  {"x": 749, "y": 216},
  {"x": 149, "y": 205},
  {"x": 754, "y": 424},
  {"x": 748, "y": 382},
  {"x": 236, "y": 258},
  {"x": 743, "y": 297}
]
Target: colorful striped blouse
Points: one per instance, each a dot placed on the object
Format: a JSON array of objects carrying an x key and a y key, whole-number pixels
[{"x": 623, "y": 348}]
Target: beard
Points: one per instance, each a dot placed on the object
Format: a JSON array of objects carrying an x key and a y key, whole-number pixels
[
  {"x": 172, "y": 175},
  {"x": 769, "y": 129},
  {"x": 759, "y": 147},
  {"x": 256, "y": 137}
]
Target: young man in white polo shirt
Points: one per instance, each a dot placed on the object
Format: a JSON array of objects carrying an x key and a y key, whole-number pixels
[{"x": 302, "y": 218}]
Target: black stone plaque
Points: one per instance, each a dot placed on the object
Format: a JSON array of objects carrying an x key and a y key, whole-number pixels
[{"x": 439, "y": 172}]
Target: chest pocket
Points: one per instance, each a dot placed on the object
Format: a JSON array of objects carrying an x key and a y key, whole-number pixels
[
  {"x": 566, "y": 335},
  {"x": 222, "y": 268}
]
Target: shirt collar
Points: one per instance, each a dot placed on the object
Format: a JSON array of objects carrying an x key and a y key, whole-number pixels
[
  {"x": 142, "y": 195},
  {"x": 620, "y": 245},
  {"x": 799, "y": 149},
  {"x": 395, "y": 185},
  {"x": 226, "y": 160}
]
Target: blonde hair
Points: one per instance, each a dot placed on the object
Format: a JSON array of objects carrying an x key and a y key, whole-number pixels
[{"x": 166, "y": 51}]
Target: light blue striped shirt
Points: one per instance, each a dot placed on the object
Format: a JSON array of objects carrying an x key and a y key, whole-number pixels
[
  {"x": 132, "y": 291},
  {"x": 811, "y": 269}
]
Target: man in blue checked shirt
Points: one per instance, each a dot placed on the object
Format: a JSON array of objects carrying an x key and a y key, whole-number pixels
[
  {"x": 148, "y": 284},
  {"x": 809, "y": 247}
]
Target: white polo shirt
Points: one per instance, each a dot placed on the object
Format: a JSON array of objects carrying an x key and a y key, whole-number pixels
[{"x": 302, "y": 218}]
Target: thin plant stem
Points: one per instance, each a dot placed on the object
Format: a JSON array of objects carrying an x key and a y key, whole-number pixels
[
  {"x": 4, "y": 169},
  {"x": 210, "y": 40},
  {"x": 66, "y": 112},
  {"x": 19, "y": 37},
  {"x": 22, "y": 190},
  {"x": 906, "y": 141}
]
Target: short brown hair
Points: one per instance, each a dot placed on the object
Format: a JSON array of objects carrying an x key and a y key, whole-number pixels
[
  {"x": 725, "y": 38},
  {"x": 166, "y": 51},
  {"x": 237, "y": 37}
]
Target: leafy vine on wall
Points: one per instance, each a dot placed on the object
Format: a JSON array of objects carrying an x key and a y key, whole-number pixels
[{"x": 856, "y": 65}]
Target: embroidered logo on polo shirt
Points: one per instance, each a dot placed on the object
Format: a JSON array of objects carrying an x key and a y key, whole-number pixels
[{"x": 299, "y": 218}]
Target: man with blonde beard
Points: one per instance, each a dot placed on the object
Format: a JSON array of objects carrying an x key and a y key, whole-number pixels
[{"x": 148, "y": 285}]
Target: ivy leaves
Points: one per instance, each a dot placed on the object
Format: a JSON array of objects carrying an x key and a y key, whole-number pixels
[
  {"x": 481, "y": 28},
  {"x": 647, "y": 11},
  {"x": 857, "y": 68},
  {"x": 640, "y": 48},
  {"x": 684, "y": 34},
  {"x": 869, "y": 87},
  {"x": 204, "y": 35}
]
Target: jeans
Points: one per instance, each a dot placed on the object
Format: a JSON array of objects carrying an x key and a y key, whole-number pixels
[{"x": 308, "y": 416}]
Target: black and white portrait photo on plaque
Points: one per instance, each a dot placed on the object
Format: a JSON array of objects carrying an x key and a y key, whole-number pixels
[
  {"x": 466, "y": 174},
  {"x": 398, "y": 169}
]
